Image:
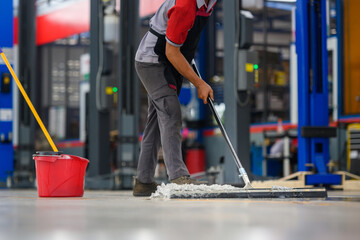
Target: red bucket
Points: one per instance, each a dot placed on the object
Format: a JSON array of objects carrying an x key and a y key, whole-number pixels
[
  {"x": 195, "y": 161},
  {"x": 60, "y": 175}
]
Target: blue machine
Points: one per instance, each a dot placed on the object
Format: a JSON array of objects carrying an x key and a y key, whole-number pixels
[
  {"x": 6, "y": 103},
  {"x": 313, "y": 122}
]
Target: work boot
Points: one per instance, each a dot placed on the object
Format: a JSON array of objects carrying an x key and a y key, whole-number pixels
[
  {"x": 144, "y": 189},
  {"x": 187, "y": 180}
]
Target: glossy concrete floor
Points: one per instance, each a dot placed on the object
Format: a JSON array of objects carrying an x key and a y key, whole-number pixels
[{"x": 118, "y": 215}]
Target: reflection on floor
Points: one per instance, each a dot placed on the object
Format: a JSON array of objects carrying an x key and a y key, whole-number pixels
[{"x": 118, "y": 215}]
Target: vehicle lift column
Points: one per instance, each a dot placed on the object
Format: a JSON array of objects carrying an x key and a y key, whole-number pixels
[
  {"x": 6, "y": 95},
  {"x": 313, "y": 123},
  {"x": 239, "y": 76},
  {"x": 99, "y": 119},
  {"x": 128, "y": 100},
  {"x": 24, "y": 174}
]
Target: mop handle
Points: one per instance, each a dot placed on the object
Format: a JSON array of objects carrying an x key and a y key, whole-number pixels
[{"x": 27, "y": 99}]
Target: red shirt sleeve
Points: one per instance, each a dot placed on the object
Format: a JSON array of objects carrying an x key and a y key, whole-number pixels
[{"x": 181, "y": 19}]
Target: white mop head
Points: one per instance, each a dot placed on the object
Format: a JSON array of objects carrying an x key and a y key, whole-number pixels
[
  {"x": 191, "y": 191},
  {"x": 165, "y": 191}
]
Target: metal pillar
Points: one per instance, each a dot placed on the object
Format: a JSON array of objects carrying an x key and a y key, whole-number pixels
[
  {"x": 6, "y": 95},
  {"x": 237, "y": 116},
  {"x": 340, "y": 73},
  {"x": 311, "y": 47},
  {"x": 128, "y": 105},
  {"x": 99, "y": 127},
  {"x": 265, "y": 64},
  {"x": 24, "y": 167}
]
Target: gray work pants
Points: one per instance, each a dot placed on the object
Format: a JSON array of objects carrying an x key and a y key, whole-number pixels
[{"x": 162, "y": 127}]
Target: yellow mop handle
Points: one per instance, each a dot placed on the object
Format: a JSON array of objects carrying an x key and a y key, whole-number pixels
[{"x": 22, "y": 90}]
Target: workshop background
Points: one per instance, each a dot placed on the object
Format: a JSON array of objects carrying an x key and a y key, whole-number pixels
[{"x": 286, "y": 81}]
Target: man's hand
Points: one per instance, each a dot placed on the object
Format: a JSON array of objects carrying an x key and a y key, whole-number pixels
[{"x": 204, "y": 91}]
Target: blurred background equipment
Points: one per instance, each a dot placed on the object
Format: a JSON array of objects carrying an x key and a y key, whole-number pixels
[
  {"x": 78, "y": 71},
  {"x": 353, "y": 148}
]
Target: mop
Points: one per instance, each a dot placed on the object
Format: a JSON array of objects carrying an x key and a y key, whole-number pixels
[
  {"x": 31, "y": 106},
  {"x": 33, "y": 110},
  {"x": 174, "y": 191},
  {"x": 54, "y": 173}
]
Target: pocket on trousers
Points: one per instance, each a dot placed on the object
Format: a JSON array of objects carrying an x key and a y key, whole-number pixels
[{"x": 170, "y": 78}]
